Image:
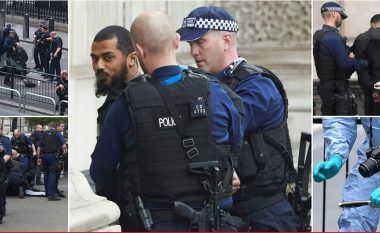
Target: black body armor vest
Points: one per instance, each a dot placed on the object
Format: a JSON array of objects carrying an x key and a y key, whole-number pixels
[
  {"x": 20, "y": 144},
  {"x": 326, "y": 67},
  {"x": 51, "y": 143},
  {"x": 266, "y": 157},
  {"x": 156, "y": 168}
]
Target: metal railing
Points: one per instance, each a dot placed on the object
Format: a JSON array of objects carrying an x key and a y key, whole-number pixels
[
  {"x": 14, "y": 78},
  {"x": 40, "y": 96},
  {"x": 37, "y": 9},
  {"x": 17, "y": 92},
  {"x": 60, "y": 105}
]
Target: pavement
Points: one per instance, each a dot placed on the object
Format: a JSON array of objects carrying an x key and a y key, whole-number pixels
[
  {"x": 27, "y": 43},
  {"x": 37, "y": 214}
]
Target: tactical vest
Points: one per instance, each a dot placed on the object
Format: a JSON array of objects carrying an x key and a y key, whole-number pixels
[
  {"x": 326, "y": 67},
  {"x": 236, "y": 99},
  {"x": 157, "y": 167},
  {"x": 20, "y": 144},
  {"x": 266, "y": 157},
  {"x": 50, "y": 142}
]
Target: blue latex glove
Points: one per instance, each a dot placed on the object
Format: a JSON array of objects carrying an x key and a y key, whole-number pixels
[
  {"x": 375, "y": 197},
  {"x": 327, "y": 169}
]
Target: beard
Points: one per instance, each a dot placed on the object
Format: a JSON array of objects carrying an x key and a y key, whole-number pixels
[{"x": 101, "y": 86}]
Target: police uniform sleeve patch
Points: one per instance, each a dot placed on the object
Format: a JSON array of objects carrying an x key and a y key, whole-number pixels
[{"x": 198, "y": 108}]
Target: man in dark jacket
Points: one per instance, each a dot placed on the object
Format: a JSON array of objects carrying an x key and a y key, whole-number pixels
[
  {"x": 62, "y": 90},
  {"x": 367, "y": 46}
]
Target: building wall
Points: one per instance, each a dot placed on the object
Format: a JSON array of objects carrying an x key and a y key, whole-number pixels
[{"x": 273, "y": 34}]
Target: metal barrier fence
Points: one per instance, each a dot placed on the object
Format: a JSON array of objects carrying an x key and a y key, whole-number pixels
[
  {"x": 38, "y": 9},
  {"x": 42, "y": 97},
  {"x": 12, "y": 78},
  {"x": 15, "y": 91}
]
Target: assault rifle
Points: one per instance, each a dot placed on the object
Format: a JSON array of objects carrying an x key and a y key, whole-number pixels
[
  {"x": 210, "y": 217},
  {"x": 300, "y": 198}
]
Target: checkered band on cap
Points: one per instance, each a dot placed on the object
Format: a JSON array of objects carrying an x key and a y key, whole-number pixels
[
  {"x": 334, "y": 8},
  {"x": 212, "y": 24}
]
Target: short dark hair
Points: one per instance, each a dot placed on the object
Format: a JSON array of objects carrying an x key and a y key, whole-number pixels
[
  {"x": 375, "y": 18},
  {"x": 124, "y": 43}
]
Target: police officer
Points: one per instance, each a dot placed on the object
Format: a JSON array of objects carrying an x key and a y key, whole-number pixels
[
  {"x": 35, "y": 137},
  {"x": 5, "y": 156},
  {"x": 367, "y": 46},
  {"x": 157, "y": 127},
  {"x": 23, "y": 145},
  {"x": 333, "y": 65},
  {"x": 55, "y": 54},
  {"x": 60, "y": 126},
  {"x": 114, "y": 60},
  {"x": 48, "y": 146},
  {"x": 37, "y": 35},
  {"x": 45, "y": 50},
  {"x": 62, "y": 90},
  {"x": 213, "y": 47}
]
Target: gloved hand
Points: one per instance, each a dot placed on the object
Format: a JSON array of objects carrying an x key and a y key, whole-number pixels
[
  {"x": 375, "y": 197},
  {"x": 327, "y": 169}
]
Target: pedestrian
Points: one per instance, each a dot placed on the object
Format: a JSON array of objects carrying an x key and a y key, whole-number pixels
[
  {"x": 333, "y": 65},
  {"x": 367, "y": 46},
  {"x": 339, "y": 136},
  {"x": 55, "y": 54},
  {"x": 5, "y": 156},
  {"x": 172, "y": 119},
  {"x": 62, "y": 91},
  {"x": 213, "y": 47},
  {"x": 114, "y": 61},
  {"x": 48, "y": 146}
]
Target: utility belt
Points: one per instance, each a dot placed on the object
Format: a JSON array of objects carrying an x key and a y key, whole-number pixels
[{"x": 342, "y": 98}]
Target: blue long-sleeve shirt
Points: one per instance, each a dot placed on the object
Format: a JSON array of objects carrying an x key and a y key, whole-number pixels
[
  {"x": 262, "y": 102},
  {"x": 116, "y": 134},
  {"x": 331, "y": 45}
]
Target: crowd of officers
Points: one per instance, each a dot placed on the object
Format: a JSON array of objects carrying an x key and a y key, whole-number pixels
[
  {"x": 47, "y": 52},
  {"x": 335, "y": 62},
  {"x": 23, "y": 158},
  {"x": 175, "y": 143}
]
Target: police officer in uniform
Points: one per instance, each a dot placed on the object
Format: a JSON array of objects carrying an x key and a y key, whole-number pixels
[
  {"x": 5, "y": 156},
  {"x": 262, "y": 166},
  {"x": 23, "y": 145},
  {"x": 157, "y": 127},
  {"x": 37, "y": 47},
  {"x": 55, "y": 54},
  {"x": 333, "y": 65},
  {"x": 45, "y": 50},
  {"x": 114, "y": 61},
  {"x": 367, "y": 46},
  {"x": 48, "y": 146},
  {"x": 35, "y": 137}
]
